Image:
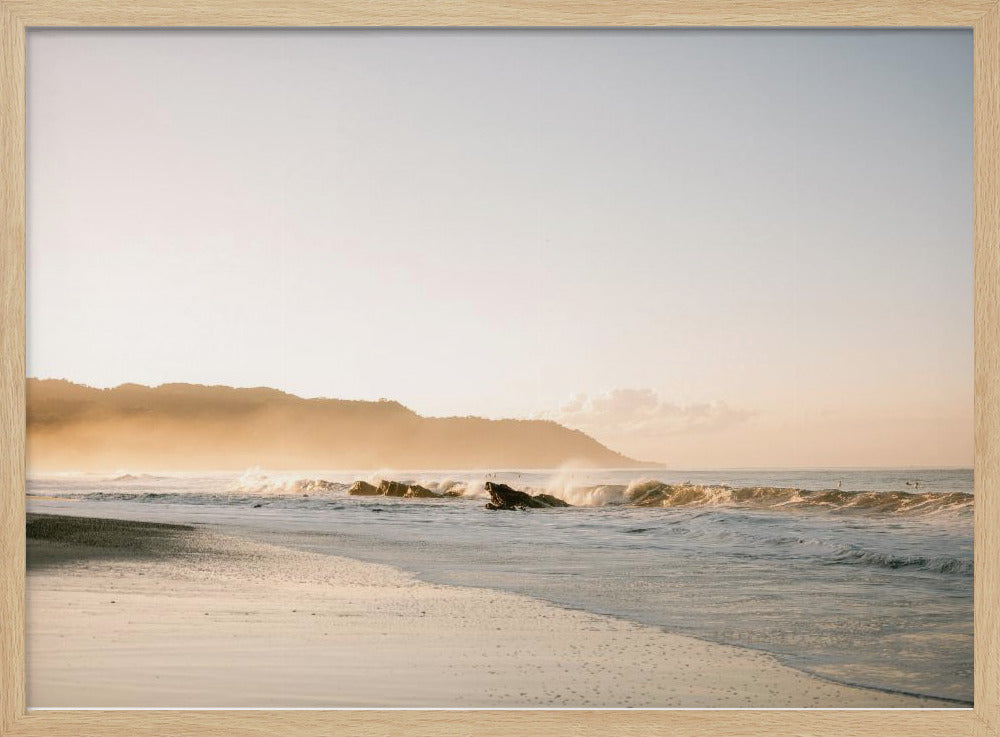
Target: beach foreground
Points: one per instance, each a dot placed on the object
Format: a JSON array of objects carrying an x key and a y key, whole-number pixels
[{"x": 129, "y": 614}]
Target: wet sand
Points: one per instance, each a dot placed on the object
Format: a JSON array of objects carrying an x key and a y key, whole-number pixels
[{"x": 129, "y": 614}]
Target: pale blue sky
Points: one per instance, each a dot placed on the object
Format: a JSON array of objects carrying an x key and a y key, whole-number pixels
[{"x": 761, "y": 239}]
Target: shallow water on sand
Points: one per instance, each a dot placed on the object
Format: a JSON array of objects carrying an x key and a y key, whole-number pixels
[{"x": 859, "y": 576}]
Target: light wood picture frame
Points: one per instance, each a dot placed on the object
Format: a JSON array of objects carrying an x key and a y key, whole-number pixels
[{"x": 982, "y": 16}]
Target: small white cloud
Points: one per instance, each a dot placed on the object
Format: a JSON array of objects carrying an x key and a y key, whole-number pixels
[{"x": 636, "y": 413}]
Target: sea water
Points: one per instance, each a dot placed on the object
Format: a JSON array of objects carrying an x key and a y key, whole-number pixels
[{"x": 860, "y": 576}]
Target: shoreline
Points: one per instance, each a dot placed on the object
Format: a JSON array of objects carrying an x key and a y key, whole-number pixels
[
  {"x": 201, "y": 619},
  {"x": 943, "y": 701}
]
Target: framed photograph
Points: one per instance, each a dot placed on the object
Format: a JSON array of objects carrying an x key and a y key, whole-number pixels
[{"x": 472, "y": 368}]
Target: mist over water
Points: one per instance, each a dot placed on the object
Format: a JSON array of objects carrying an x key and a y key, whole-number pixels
[{"x": 862, "y": 576}]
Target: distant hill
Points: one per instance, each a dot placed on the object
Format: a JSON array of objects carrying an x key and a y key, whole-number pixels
[{"x": 194, "y": 427}]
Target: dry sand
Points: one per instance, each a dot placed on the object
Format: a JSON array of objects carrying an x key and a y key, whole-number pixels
[{"x": 124, "y": 614}]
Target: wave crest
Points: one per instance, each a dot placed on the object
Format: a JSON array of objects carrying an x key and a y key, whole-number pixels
[
  {"x": 652, "y": 493},
  {"x": 941, "y": 564},
  {"x": 255, "y": 481},
  {"x": 644, "y": 492}
]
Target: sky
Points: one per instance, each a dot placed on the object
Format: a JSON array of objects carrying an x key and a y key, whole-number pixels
[{"x": 718, "y": 248}]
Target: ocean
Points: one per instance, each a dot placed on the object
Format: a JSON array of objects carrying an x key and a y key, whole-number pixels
[{"x": 863, "y": 576}]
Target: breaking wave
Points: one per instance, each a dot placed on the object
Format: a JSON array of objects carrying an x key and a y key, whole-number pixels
[
  {"x": 255, "y": 481},
  {"x": 651, "y": 493}
]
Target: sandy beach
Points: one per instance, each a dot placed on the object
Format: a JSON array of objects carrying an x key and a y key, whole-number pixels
[{"x": 129, "y": 614}]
